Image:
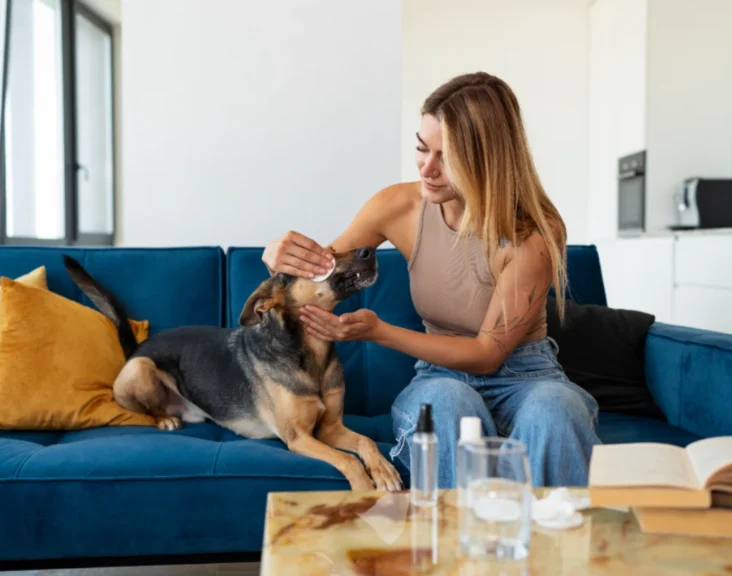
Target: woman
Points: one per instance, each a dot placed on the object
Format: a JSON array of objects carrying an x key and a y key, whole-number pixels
[{"x": 484, "y": 244}]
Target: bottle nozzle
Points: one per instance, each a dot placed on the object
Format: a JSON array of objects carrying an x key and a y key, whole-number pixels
[{"x": 425, "y": 423}]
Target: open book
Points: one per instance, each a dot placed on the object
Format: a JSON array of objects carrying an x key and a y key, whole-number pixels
[{"x": 660, "y": 475}]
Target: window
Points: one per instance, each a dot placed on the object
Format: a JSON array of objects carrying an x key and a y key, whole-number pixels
[
  {"x": 57, "y": 165},
  {"x": 94, "y": 126}
]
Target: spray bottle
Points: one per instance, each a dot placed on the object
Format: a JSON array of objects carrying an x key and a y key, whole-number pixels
[{"x": 423, "y": 460}]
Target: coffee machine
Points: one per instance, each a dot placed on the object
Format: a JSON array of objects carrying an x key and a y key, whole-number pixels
[{"x": 704, "y": 203}]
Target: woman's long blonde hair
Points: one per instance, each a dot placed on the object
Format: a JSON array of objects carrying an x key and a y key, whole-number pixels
[{"x": 489, "y": 164}]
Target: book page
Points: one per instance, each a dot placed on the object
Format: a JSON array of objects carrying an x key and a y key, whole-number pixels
[
  {"x": 642, "y": 464},
  {"x": 710, "y": 456}
]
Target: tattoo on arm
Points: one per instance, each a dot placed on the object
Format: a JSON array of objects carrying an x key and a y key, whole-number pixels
[
  {"x": 502, "y": 327},
  {"x": 500, "y": 344}
]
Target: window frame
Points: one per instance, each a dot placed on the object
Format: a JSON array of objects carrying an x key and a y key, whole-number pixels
[{"x": 72, "y": 235}]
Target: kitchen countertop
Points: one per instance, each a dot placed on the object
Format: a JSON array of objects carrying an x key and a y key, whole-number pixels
[{"x": 676, "y": 233}]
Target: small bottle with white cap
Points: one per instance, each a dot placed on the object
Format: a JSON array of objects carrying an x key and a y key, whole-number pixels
[{"x": 470, "y": 433}]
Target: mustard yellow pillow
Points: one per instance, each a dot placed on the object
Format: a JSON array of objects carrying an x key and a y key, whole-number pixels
[
  {"x": 35, "y": 278},
  {"x": 58, "y": 362}
]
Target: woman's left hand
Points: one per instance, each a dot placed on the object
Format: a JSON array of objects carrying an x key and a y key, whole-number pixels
[{"x": 358, "y": 325}]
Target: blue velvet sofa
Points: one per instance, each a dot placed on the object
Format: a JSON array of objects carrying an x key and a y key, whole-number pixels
[{"x": 136, "y": 492}]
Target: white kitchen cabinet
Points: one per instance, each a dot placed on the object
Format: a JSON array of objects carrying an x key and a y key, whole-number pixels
[
  {"x": 703, "y": 280},
  {"x": 638, "y": 274},
  {"x": 704, "y": 259},
  {"x": 683, "y": 278},
  {"x": 703, "y": 307}
]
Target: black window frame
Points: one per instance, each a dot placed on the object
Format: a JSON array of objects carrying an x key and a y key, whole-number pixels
[{"x": 72, "y": 235}]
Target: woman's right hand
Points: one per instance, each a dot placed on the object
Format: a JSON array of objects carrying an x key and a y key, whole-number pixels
[{"x": 297, "y": 255}]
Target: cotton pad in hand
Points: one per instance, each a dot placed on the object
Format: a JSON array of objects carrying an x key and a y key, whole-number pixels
[{"x": 325, "y": 276}]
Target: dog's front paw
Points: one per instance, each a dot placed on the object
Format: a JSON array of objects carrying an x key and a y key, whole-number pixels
[
  {"x": 359, "y": 480},
  {"x": 169, "y": 423},
  {"x": 385, "y": 475}
]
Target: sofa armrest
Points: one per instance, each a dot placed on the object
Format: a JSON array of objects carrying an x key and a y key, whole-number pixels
[{"x": 689, "y": 375}]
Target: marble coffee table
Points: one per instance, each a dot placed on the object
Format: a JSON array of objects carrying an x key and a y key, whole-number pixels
[{"x": 376, "y": 533}]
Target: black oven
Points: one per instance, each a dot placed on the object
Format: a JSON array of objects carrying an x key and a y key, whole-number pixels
[{"x": 632, "y": 193}]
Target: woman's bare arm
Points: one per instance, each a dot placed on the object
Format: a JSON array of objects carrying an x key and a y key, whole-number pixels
[
  {"x": 382, "y": 218},
  {"x": 389, "y": 215}
]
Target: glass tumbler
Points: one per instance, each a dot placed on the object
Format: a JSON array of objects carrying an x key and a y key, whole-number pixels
[{"x": 496, "y": 520}]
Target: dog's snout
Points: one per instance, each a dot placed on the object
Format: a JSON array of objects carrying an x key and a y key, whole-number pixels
[{"x": 365, "y": 252}]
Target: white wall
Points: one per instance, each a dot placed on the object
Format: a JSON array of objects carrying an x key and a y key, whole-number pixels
[
  {"x": 617, "y": 103},
  {"x": 689, "y": 98},
  {"x": 540, "y": 49},
  {"x": 244, "y": 119}
]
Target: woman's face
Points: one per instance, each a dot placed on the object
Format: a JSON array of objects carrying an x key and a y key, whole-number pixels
[{"x": 435, "y": 184}]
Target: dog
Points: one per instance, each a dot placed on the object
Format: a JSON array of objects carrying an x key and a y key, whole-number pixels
[{"x": 266, "y": 378}]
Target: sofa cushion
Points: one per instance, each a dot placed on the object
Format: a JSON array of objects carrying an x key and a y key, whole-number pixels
[
  {"x": 615, "y": 428},
  {"x": 244, "y": 272},
  {"x": 689, "y": 373},
  {"x": 584, "y": 276},
  {"x": 58, "y": 362},
  {"x": 138, "y": 490},
  {"x": 602, "y": 350},
  {"x": 168, "y": 286}
]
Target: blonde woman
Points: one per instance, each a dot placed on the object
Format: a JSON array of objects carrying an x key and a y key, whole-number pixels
[{"x": 484, "y": 244}]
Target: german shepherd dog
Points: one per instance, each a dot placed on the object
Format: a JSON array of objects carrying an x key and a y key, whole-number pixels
[{"x": 267, "y": 378}]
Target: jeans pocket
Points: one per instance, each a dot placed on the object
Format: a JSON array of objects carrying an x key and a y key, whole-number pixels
[
  {"x": 537, "y": 364},
  {"x": 423, "y": 367}
]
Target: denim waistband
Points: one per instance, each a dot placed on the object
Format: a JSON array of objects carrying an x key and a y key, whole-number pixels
[{"x": 545, "y": 344}]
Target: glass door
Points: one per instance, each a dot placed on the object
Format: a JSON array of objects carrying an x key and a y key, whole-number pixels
[{"x": 95, "y": 169}]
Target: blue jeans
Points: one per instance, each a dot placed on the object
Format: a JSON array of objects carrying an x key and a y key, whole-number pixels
[{"x": 529, "y": 398}]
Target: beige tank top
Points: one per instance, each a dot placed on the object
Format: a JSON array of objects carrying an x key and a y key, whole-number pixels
[{"x": 450, "y": 282}]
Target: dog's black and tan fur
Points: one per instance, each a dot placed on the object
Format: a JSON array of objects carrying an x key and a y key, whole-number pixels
[{"x": 267, "y": 378}]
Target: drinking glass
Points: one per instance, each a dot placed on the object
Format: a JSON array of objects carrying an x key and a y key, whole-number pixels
[{"x": 496, "y": 520}]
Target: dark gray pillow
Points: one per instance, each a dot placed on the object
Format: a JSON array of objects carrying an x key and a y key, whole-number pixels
[{"x": 602, "y": 350}]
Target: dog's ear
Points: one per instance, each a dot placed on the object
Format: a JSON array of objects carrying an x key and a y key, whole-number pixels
[{"x": 264, "y": 298}]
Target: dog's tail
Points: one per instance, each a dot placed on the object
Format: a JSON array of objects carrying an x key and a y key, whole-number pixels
[{"x": 106, "y": 302}]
